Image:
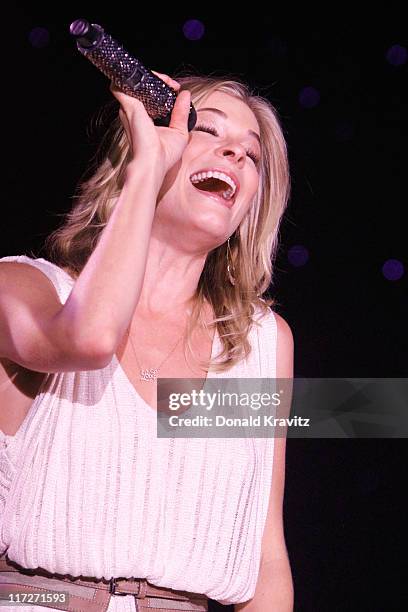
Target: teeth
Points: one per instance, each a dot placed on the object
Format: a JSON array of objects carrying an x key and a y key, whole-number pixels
[{"x": 201, "y": 176}]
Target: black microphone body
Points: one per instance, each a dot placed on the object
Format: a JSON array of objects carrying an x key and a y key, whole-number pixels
[{"x": 127, "y": 73}]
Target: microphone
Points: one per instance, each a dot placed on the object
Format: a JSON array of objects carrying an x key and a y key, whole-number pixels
[{"x": 126, "y": 72}]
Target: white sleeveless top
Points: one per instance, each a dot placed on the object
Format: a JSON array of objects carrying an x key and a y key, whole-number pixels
[{"x": 87, "y": 488}]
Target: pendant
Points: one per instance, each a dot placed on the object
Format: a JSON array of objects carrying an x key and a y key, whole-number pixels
[{"x": 149, "y": 375}]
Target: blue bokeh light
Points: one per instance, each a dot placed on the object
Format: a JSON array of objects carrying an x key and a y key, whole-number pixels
[
  {"x": 397, "y": 55},
  {"x": 193, "y": 29},
  {"x": 298, "y": 255},
  {"x": 309, "y": 97},
  {"x": 39, "y": 37},
  {"x": 393, "y": 269}
]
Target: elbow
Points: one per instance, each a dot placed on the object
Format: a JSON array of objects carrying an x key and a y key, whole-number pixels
[{"x": 97, "y": 353}]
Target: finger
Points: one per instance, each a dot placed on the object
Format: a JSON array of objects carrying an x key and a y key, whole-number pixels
[
  {"x": 113, "y": 88},
  {"x": 181, "y": 111},
  {"x": 127, "y": 102},
  {"x": 119, "y": 94},
  {"x": 168, "y": 80},
  {"x": 125, "y": 124}
]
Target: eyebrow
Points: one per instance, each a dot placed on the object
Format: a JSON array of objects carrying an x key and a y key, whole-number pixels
[{"x": 225, "y": 116}]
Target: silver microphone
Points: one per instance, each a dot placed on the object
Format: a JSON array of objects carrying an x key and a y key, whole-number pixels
[{"x": 126, "y": 72}]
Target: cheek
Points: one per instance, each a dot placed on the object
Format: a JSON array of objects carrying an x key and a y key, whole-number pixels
[
  {"x": 256, "y": 181},
  {"x": 249, "y": 203},
  {"x": 252, "y": 190},
  {"x": 243, "y": 212}
]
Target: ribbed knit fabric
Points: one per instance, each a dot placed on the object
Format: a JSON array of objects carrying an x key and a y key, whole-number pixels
[{"x": 87, "y": 488}]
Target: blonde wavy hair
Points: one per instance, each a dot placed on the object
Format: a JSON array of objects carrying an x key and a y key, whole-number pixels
[{"x": 253, "y": 246}]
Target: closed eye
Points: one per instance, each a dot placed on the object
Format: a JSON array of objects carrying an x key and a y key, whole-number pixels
[{"x": 213, "y": 131}]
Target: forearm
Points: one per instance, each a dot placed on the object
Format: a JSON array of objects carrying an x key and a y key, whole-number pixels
[
  {"x": 106, "y": 293},
  {"x": 274, "y": 589}
]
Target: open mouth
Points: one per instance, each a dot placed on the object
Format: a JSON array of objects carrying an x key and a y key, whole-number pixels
[{"x": 217, "y": 188}]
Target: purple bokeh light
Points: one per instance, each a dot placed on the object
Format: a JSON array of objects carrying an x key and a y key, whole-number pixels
[
  {"x": 393, "y": 269},
  {"x": 193, "y": 29},
  {"x": 309, "y": 97},
  {"x": 298, "y": 255},
  {"x": 397, "y": 55},
  {"x": 39, "y": 37}
]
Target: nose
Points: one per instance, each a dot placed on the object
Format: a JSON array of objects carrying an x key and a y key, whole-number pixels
[{"x": 235, "y": 152}]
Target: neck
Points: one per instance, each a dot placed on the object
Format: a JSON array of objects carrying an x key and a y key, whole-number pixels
[{"x": 170, "y": 281}]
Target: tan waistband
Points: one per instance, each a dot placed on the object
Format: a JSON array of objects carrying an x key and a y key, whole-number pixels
[{"x": 86, "y": 593}]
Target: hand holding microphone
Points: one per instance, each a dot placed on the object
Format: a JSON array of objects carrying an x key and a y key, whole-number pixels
[{"x": 156, "y": 146}]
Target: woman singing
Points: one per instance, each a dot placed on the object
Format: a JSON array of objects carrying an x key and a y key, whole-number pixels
[{"x": 158, "y": 271}]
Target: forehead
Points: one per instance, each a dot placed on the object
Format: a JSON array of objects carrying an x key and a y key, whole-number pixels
[{"x": 238, "y": 112}]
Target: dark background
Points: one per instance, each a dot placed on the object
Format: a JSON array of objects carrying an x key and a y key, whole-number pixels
[{"x": 344, "y": 516}]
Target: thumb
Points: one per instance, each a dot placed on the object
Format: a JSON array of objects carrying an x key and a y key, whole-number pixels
[{"x": 181, "y": 111}]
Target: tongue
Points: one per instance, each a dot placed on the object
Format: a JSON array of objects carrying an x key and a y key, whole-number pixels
[
  {"x": 213, "y": 194},
  {"x": 214, "y": 186}
]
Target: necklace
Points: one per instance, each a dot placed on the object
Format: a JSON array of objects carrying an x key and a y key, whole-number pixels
[{"x": 150, "y": 374}]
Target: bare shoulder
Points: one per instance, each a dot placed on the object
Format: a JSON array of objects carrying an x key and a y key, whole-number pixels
[
  {"x": 13, "y": 270},
  {"x": 26, "y": 282},
  {"x": 284, "y": 330},
  {"x": 26, "y": 294},
  {"x": 284, "y": 348}
]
